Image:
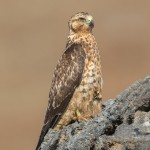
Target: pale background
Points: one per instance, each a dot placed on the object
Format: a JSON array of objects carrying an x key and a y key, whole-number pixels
[{"x": 32, "y": 37}]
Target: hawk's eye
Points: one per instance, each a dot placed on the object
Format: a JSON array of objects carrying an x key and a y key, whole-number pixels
[{"x": 82, "y": 19}]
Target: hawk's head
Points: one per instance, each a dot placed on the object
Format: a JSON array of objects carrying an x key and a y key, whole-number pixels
[{"x": 81, "y": 22}]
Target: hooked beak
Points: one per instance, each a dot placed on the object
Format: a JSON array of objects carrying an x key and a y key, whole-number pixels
[{"x": 91, "y": 24}]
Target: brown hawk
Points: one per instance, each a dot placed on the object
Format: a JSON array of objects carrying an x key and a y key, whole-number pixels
[{"x": 76, "y": 89}]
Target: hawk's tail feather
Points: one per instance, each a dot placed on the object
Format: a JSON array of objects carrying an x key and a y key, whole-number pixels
[{"x": 45, "y": 129}]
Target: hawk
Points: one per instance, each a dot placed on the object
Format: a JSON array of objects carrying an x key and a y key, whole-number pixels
[{"x": 76, "y": 89}]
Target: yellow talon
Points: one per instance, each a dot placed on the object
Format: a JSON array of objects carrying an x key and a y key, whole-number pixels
[{"x": 79, "y": 116}]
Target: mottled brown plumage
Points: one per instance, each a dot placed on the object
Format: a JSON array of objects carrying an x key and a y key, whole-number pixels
[{"x": 75, "y": 92}]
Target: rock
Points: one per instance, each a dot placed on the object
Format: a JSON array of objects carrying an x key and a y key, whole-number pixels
[{"x": 124, "y": 124}]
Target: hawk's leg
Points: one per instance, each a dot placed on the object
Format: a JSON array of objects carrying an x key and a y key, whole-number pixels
[
  {"x": 80, "y": 117},
  {"x": 67, "y": 118}
]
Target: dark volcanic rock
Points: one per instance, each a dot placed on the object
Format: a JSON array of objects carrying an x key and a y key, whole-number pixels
[{"x": 124, "y": 124}]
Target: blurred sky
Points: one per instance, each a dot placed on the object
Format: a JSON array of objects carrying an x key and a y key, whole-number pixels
[{"x": 32, "y": 38}]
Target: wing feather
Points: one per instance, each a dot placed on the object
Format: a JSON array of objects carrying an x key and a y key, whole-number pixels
[{"x": 67, "y": 76}]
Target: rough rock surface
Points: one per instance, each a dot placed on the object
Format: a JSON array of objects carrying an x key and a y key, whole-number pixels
[{"x": 124, "y": 124}]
